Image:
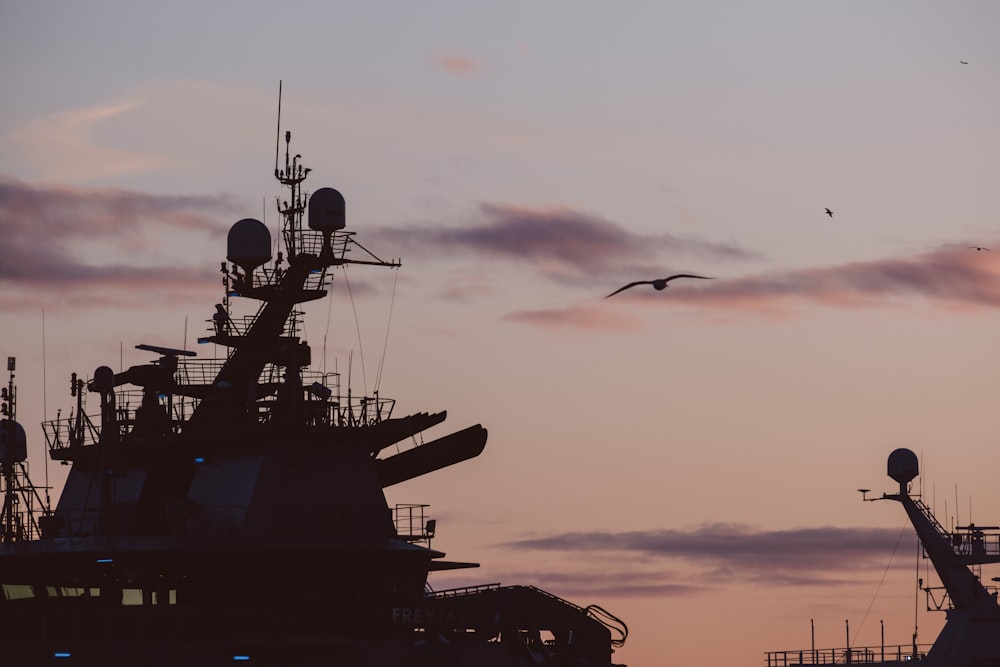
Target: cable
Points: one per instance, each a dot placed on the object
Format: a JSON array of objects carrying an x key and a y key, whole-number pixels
[
  {"x": 385, "y": 346},
  {"x": 880, "y": 582}
]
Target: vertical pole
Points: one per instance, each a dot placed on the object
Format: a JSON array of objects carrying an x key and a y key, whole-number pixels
[
  {"x": 812, "y": 633},
  {"x": 847, "y": 632}
]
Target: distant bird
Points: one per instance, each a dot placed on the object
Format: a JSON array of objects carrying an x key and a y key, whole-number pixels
[
  {"x": 963, "y": 62},
  {"x": 659, "y": 283},
  {"x": 829, "y": 212},
  {"x": 979, "y": 247}
]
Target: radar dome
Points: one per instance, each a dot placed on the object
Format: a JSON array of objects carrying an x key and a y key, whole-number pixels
[
  {"x": 903, "y": 465},
  {"x": 13, "y": 442},
  {"x": 104, "y": 379},
  {"x": 327, "y": 210},
  {"x": 249, "y": 244}
]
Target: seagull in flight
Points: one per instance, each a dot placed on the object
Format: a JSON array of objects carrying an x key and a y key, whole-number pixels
[
  {"x": 829, "y": 212},
  {"x": 964, "y": 62},
  {"x": 979, "y": 247},
  {"x": 659, "y": 283}
]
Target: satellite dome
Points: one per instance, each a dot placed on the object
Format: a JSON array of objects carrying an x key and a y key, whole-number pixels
[
  {"x": 327, "y": 210},
  {"x": 13, "y": 442},
  {"x": 249, "y": 244},
  {"x": 104, "y": 379},
  {"x": 903, "y": 465}
]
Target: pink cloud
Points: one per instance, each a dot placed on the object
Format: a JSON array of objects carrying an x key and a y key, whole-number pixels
[
  {"x": 50, "y": 231},
  {"x": 564, "y": 245},
  {"x": 951, "y": 277},
  {"x": 589, "y": 318},
  {"x": 456, "y": 65}
]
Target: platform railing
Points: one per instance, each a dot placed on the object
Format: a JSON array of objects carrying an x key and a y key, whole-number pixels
[{"x": 856, "y": 655}]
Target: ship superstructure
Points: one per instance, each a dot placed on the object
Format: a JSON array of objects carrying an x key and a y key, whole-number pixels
[
  {"x": 232, "y": 509},
  {"x": 971, "y": 633}
]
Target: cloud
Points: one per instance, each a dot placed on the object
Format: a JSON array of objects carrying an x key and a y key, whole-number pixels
[
  {"x": 64, "y": 141},
  {"x": 57, "y": 239},
  {"x": 587, "y": 318},
  {"x": 564, "y": 245},
  {"x": 952, "y": 276},
  {"x": 456, "y": 65},
  {"x": 807, "y": 555},
  {"x": 688, "y": 563}
]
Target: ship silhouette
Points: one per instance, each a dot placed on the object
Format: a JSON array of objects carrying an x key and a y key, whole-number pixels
[
  {"x": 232, "y": 509},
  {"x": 971, "y": 633}
]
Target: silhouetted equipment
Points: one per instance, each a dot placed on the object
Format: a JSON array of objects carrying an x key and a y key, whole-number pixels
[
  {"x": 971, "y": 633},
  {"x": 327, "y": 210},
  {"x": 232, "y": 509},
  {"x": 249, "y": 244},
  {"x": 23, "y": 506},
  {"x": 903, "y": 466}
]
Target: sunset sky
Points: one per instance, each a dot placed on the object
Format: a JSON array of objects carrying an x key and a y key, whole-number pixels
[{"x": 688, "y": 459}]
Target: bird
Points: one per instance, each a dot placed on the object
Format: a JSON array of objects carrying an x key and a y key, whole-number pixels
[
  {"x": 829, "y": 212},
  {"x": 964, "y": 62},
  {"x": 979, "y": 247},
  {"x": 659, "y": 283}
]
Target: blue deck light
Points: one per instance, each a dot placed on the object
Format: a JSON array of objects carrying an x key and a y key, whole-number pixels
[{"x": 62, "y": 654}]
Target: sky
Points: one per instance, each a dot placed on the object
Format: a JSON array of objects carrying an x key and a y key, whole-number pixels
[{"x": 688, "y": 459}]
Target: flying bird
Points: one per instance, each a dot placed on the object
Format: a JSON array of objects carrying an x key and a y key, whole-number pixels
[
  {"x": 829, "y": 212},
  {"x": 979, "y": 247},
  {"x": 659, "y": 283},
  {"x": 963, "y": 62}
]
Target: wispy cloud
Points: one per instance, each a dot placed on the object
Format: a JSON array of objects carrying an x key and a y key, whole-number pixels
[
  {"x": 560, "y": 243},
  {"x": 796, "y": 557},
  {"x": 952, "y": 277},
  {"x": 456, "y": 64},
  {"x": 66, "y": 143},
  {"x": 57, "y": 237},
  {"x": 583, "y": 317}
]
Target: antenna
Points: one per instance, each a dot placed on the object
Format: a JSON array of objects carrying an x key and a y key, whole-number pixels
[{"x": 277, "y": 138}]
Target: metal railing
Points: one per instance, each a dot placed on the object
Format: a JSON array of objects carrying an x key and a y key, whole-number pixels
[{"x": 857, "y": 655}]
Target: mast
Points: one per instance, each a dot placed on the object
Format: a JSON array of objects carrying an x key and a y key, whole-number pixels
[
  {"x": 21, "y": 499},
  {"x": 971, "y": 635},
  {"x": 312, "y": 248}
]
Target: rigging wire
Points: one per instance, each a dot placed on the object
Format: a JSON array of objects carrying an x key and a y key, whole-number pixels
[
  {"x": 329, "y": 315},
  {"x": 916, "y": 598},
  {"x": 357, "y": 326},
  {"x": 45, "y": 416},
  {"x": 385, "y": 346},
  {"x": 881, "y": 581}
]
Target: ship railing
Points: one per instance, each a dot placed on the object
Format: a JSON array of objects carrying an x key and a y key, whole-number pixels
[
  {"x": 856, "y": 655},
  {"x": 66, "y": 432},
  {"x": 930, "y": 517},
  {"x": 197, "y": 371},
  {"x": 310, "y": 242},
  {"x": 81, "y": 431},
  {"x": 975, "y": 542},
  {"x": 412, "y": 524},
  {"x": 464, "y": 590}
]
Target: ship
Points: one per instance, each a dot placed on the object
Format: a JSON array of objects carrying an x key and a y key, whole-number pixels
[
  {"x": 970, "y": 636},
  {"x": 232, "y": 509}
]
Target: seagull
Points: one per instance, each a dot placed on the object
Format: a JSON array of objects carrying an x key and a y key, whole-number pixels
[
  {"x": 979, "y": 247},
  {"x": 829, "y": 212},
  {"x": 963, "y": 62},
  {"x": 659, "y": 283}
]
